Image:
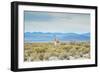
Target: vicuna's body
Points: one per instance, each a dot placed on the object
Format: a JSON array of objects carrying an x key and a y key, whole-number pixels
[{"x": 56, "y": 42}]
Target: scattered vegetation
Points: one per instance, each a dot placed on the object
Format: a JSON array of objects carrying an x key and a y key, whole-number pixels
[{"x": 63, "y": 51}]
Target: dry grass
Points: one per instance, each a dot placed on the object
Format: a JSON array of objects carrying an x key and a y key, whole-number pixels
[{"x": 47, "y": 51}]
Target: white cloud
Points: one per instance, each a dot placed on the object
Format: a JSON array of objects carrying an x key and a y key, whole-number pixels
[{"x": 62, "y": 22}]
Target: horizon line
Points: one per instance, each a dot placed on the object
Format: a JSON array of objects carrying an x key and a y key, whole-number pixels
[{"x": 58, "y": 32}]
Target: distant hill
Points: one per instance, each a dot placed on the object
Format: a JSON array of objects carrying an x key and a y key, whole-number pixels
[
  {"x": 45, "y": 37},
  {"x": 86, "y": 34}
]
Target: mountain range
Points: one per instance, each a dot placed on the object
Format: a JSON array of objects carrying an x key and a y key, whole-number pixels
[{"x": 48, "y": 36}]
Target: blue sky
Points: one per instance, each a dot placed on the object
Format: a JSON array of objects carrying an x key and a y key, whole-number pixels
[{"x": 56, "y": 22}]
